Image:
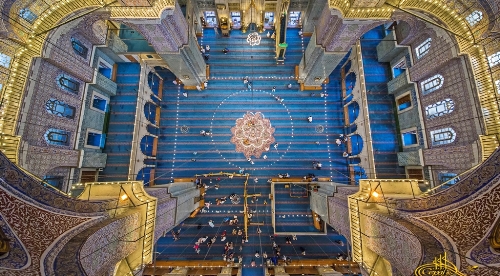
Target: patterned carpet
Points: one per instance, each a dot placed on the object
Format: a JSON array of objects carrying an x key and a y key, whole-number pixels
[{"x": 278, "y": 116}]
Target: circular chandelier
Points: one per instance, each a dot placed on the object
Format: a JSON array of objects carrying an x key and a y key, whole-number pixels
[{"x": 253, "y": 38}]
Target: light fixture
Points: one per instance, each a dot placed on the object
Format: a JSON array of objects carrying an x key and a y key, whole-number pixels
[
  {"x": 124, "y": 197},
  {"x": 253, "y": 37},
  {"x": 374, "y": 194}
]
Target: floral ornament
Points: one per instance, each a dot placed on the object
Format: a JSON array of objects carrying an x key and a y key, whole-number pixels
[{"x": 252, "y": 134}]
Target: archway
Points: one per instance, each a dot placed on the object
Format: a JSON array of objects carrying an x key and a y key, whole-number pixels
[
  {"x": 150, "y": 112},
  {"x": 154, "y": 83},
  {"x": 353, "y": 111},
  {"x": 145, "y": 175},
  {"x": 350, "y": 82},
  {"x": 147, "y": 143},
  {"x": 356, "y": 144}
]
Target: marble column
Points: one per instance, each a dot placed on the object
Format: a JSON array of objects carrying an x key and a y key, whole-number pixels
[
  {"x": 330, "y": 42},
  {"x": 170, "y": 37},
  {"x": 314, "y": 9}
]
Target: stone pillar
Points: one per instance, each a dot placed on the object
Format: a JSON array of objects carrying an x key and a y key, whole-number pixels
[
  {"x": 327, "y": 271},
  {"x": 179, "y": 271},
  {"x": 280, "y": 271},
  {"x": 226, "y": 271},
  {"x": 329, "y": 43},
  {"x": 170, "y": 37},
  {"x": 311, "y": 18}
]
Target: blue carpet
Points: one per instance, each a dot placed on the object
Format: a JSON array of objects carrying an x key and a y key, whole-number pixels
[
  {"x": 381, "y": 108},
  {"x": 216, "y": 109},
  {"x": 121, "y": 123},
  {"x": 227, "y": 99}
]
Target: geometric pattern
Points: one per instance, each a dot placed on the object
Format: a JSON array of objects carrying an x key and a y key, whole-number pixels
[
  {"x": 17, "y": 257},
  {"x": 252, "y": 134}
]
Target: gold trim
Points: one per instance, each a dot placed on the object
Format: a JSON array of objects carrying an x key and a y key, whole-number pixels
[{"x": 440, "y": 266}]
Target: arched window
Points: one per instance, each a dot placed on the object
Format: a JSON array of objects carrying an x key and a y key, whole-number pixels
[
  {"x": 68, "y": 84},
  {"x": 432, "y": 84},
  {"x": 439, "y": 109},
  {"x": 28, "y": 15},
  {"x": 59, "y": 108},
  {"x": 474, "y": 17},
  {"x": 443, "y": 136},
  {"x": 57, "y": 137},
  {"x": 494, "y": 59},
  {"x": 5, "y": 60},
  {"x": 423, "y": 48},
  {"x": 79, "y": 48}
]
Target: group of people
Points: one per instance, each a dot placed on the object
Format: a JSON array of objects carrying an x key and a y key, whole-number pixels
[
  {"x": 205, "y": 132},
  {"x": 340, "y": 140},
  {"x": 247, "y": 82},
  {"x": 317, "y": 165},
  {"x": 205, "y": 51},
  {"x": 310, "y": 176},
  {"x": 284, "y": 175}
]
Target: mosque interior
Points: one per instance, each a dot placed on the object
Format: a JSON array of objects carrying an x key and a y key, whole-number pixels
[{"x": 249, "y": 137}]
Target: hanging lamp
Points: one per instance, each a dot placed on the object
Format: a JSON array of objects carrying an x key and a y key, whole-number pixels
[{"x": 253, "y": 37}]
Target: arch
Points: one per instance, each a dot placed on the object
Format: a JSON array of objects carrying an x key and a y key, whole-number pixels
[
  {"x": 57, "y": 137},
  {"x": 145, "y": 175},
  {"x": 18, "y": 257},
  {"x": 423, "y": 48},
  {"x": 79, "y": 48},
  {"x": 356, "y": 144},
  {"x": 154, "y": 82},
  {"x": 68, "y": 84},
  {"x": 150, "y": 112},
  {"x": 432, "y": 84},
  {"x": 440, "y": 108},
  {"x": 147, "y": 145},
  {"x": 350, "y": 82},
  {"x": 60, "y": 108},
  {"x": 353, "y": 109},
  {"x": 443, "y": 136}
]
